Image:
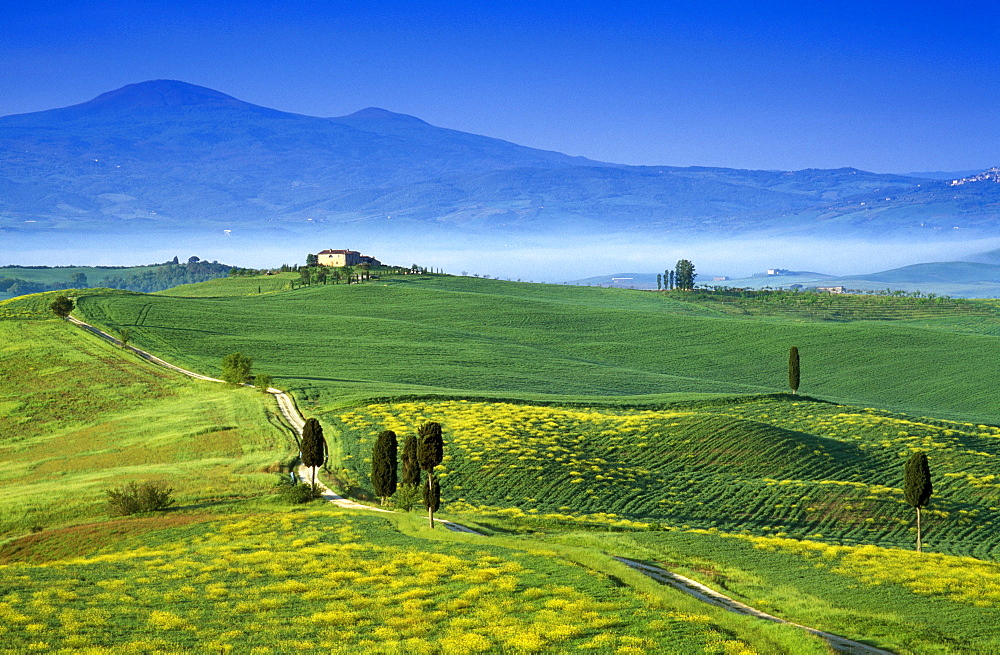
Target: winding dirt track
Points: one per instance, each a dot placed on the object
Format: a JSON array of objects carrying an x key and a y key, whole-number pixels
[
  {"x": 708, "y": 595},
  {"x": 686, "y": 585}
]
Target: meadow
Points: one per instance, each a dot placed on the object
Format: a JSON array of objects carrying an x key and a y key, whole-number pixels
[
  {"x": 781, "y": 466},
  {"x": 336, "y": 344},
  {"x": 343, "y": 582},
  {"x": 579, "y": 423},
  {"x": 893, "y": 598},
  {"x": 79, "y": 416}
]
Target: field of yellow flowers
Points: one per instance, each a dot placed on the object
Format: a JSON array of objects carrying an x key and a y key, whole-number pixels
[
  {"x": 776, "y": 466},
  {"x": 328, "y": 581},
  {"x": 893, "y": 598}
]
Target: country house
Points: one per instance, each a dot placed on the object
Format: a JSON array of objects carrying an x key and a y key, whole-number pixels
[{"x": 340, "y": 258}]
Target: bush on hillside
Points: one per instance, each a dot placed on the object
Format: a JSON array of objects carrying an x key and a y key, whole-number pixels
[
  {"x": 406, "y": 497},
  {"x": 263, "y": 382},
  {"x": 296, "y": 493},
  {"x": 134, "y": 498},
  {"x": 236, "y": 368},
  {"x": 62, "y": 306}
]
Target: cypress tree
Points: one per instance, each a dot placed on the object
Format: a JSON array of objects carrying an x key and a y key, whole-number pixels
[
  {"x": 411, "y": 468},
  {"x": 432, "y": 495},
  {"x": 313, "y": 446},
  {"x": 917, "y": 485},
  {"x": 659, "y": 281},
  {"x": 384, "y": 464},
  {"x": 793, "y": 369},
  {"x": 430, "y": 452}
]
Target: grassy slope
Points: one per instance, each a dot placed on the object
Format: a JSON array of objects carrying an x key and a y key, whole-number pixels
[
  {"x": 237, "y": 581},
  {"x": 895, "y": 599},
  {"x": 335, "y": 581},
  {"x": 770, "y": 466},
  {"x": 705, "y": 482},
  {"x": 486, "y": 337},
  {"x": 78, "y": 416}
]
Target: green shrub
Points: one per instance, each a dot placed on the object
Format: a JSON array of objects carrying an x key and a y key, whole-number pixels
[
  {"x": 406, "y": 497},
  {"x": 236, "y": 368},
  {"x": 134, "y": 498},
  {"x": 296, "y": 493},
  {"x": 263, "y": 382}
]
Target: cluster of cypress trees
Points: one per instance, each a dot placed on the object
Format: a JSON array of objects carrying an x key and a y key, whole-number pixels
[
  {"x": 682, "y": 277},
  {"x": 420, "y": 453}
]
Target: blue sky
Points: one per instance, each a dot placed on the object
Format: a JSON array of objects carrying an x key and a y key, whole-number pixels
[{"x": 882, "y": 86}]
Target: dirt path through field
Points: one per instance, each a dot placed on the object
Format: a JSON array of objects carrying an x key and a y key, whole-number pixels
[
  {"x": 688, "y": 586},
  {"x": 709, "y": 595},
  {"x": 288, "y": 410}
]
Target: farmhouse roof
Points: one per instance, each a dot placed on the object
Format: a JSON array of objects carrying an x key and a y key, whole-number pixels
[{"x": 339, "y": 252}]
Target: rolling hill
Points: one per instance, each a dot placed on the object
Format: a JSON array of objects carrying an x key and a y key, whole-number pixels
[
  {"x": 490, "y": 338},
  {"x": 654, "y": 433}
]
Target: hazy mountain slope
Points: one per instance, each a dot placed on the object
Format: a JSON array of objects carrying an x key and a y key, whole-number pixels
[
  {"x": 954, "y": 272},
  {"x": 169, "y": 154}
]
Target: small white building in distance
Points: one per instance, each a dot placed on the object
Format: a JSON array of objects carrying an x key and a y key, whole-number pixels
[{"x": 344, "y": 258}]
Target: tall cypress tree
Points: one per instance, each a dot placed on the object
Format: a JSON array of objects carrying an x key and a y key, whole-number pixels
[
  {"x": 384, "y": 464},
  {"x": 659, "y": 281},
  {"x": 411, "y": 467},
  {"x": 793, "y": 369},
  {"x": 430, "y": 452},
  {"x": 432, "y": 496},
  {"x": 313, "y": 446},
  {"x": 917, "y": 485}
]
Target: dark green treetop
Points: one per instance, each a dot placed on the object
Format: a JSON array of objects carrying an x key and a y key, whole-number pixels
[
  {"x": 684, "y": 275},
  {"x": 313, "y": 446},
  {"x": 384, "y": 465},
  {"x": 917, "y": 487},
  {"x": 793, "y": 369},
  {"x": 61, "y": 306},
  {"x": 411, "y": 467},
  {"x": 430, "y": 446}
]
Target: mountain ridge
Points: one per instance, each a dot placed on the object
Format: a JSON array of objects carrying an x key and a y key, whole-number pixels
[{"x": 165, "y": 154}]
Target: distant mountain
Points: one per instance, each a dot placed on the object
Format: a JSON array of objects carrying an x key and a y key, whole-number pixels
[
  {"x": 943, "y": 175},
  {"x": 957, "y": 279},
  {"x": 990, "y": 257},
  {"x": 170, "y": 155},
  {"x": 937, "y": 272}
]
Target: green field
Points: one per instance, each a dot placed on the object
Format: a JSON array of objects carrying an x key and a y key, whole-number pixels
[
  {"x": 896, "y": 599},
  {"x": 78, "y": 416},
  {"x": 781, "y": 466},
  {"x": 471, "y": 338},
  {"x": 335, "y": 581},
  {"x": 579, "y": 423}
]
